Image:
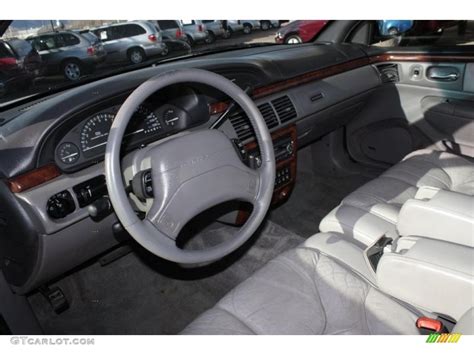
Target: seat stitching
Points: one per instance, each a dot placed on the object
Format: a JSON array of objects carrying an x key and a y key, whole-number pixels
[{"x": 236, "y": 317}]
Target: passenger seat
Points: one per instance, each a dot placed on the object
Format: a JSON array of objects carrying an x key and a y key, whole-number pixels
[{"x": 372, "y": 210}]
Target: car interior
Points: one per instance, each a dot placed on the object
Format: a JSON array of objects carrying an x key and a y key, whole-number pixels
[{"x": 318, "y": 188}]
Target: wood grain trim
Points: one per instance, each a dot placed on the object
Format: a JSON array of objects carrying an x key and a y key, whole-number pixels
[
  {"x": 218, "y": 107},
  {"x": 33, "y": 178},
  {"x": 414, "y": 57},
  {"x": 309, "y": 77}
]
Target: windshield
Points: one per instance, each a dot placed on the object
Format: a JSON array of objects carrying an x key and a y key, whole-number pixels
[
  {"x": 42, "y": 55},
  {"x": 38, "y": 56}
]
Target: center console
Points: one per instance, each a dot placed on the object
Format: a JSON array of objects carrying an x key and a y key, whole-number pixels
[
  {"x": 431, "y": 264},
  {"x": 285, "y": 149}
]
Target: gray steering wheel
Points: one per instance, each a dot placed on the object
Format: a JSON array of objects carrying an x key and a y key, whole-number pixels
[{"x": 191, "y": 173}]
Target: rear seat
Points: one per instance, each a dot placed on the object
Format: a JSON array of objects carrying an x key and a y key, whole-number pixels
[{"x": 372, "y": 210}]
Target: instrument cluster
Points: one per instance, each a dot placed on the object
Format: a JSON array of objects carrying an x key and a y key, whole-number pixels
[{"x": 86, "y": 142}]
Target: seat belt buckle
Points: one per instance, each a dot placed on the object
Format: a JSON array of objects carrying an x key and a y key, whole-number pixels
[{"x": 430, "y": 324}]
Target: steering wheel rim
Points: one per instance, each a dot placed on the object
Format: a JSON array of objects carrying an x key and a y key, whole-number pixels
[{"x": 189, "y": 177}]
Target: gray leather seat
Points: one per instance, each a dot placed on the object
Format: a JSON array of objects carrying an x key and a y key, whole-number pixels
[
  {"x": 372, "y": 210},
  {"x": 306, "y": 291}
]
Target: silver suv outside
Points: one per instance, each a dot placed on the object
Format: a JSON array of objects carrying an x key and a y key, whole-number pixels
[
  {"x": 215, "y": 29},
  {"x": 132, "y": 41},
  {"x": 195, "y": 31},
  {"x": 69, "y": 53},
  {"x": 171, "y": 29}
]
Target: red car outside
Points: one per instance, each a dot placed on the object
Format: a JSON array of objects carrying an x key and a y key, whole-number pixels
[{"x": 300, "y": 31}]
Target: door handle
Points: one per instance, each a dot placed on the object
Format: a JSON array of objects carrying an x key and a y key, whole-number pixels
[
  {"x": 444, "y": 77},
  {"x": 443, "y": 73}
]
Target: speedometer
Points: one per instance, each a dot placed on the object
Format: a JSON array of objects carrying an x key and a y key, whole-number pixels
[{"x": 95, "y": 132}]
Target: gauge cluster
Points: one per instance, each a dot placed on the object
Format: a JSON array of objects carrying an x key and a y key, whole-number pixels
[{"x": 86, "y": 142}]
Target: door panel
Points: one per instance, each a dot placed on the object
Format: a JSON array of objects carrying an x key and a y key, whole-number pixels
[{"x": 428, "y": 106}]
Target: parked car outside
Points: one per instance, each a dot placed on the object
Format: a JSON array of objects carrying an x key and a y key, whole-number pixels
[
  {"x": 133, "y": 41},
  {"x": 171, "y": 29},
  {"x": 20, "y": 63},
  {"x": 215, "y": 29},
  {"x": 299, "y": 31},
  {"x": 265, "y": 25},
  {"x": 233, "y": 26},
  {"x": 195, "y": 31},
  {"x": 68, "y": 53},
  {"x": 250, "y": 25}
]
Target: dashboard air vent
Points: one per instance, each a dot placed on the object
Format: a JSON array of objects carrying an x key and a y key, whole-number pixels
[
  {"x": 268, "y": 115},
  {"x": 285, "y": 109},
  {"x": 388, "y": 73},
  {"x": 241, "y": 124}
]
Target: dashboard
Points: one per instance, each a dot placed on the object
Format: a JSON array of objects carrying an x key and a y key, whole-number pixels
[{"x": 159, "y": 116}]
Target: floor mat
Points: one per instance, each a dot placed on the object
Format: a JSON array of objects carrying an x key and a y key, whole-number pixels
[{"x": 141, "y": 294}]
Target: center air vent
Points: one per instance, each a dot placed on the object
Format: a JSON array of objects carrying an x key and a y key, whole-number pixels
[
  {"x": 285, "y": 109},
  {"x": 268, "y": 115},
  {"x": 241, "y": 124},
  {"x": 388, "y": 73}
]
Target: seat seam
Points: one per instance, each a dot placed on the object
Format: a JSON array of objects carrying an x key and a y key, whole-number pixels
[
  {"x": 313, "y": 281},
  {"x": 428, "y": 174},
  {"x": 341, "y": 264},
  {"x": 236, "y": 317},
  {"x": 352, "y": 228}
]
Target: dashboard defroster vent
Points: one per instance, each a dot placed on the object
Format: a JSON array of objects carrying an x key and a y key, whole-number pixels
[
  {"x": 268, "y": 115},
  {"x": 285, "y": 109}
]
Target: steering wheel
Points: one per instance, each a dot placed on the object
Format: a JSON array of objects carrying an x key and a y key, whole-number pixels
[{"x": 190, "y": 173}]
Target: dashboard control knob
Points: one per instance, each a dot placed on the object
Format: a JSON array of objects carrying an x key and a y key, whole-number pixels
[{"x": 60, "y": 205}]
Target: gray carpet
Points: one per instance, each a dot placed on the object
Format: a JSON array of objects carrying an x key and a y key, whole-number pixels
[
  {"x": 313, "y": 197},
  {"x": 141, "y": 294}
]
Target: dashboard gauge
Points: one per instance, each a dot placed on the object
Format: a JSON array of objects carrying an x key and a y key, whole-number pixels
[
  {"x": 144, "y": 122},
  {"x": 95, "y": 132},
  {"x": 68, "y": 153},
  {"x": 171, "y": 117}
]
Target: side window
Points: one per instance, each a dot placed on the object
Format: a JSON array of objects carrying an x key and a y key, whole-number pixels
[
  {"x": 22, "y": 48},
  {"x": 59, "y": 40},
  {"x": 104, "y": 34},
  {"x": 132, "y": 30},
  {"x": 167, "y": 24},
  {"x": 409, "y": 33},
  {"x": 70, "y": 39},
  {"x": 46, "y": 42}
]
